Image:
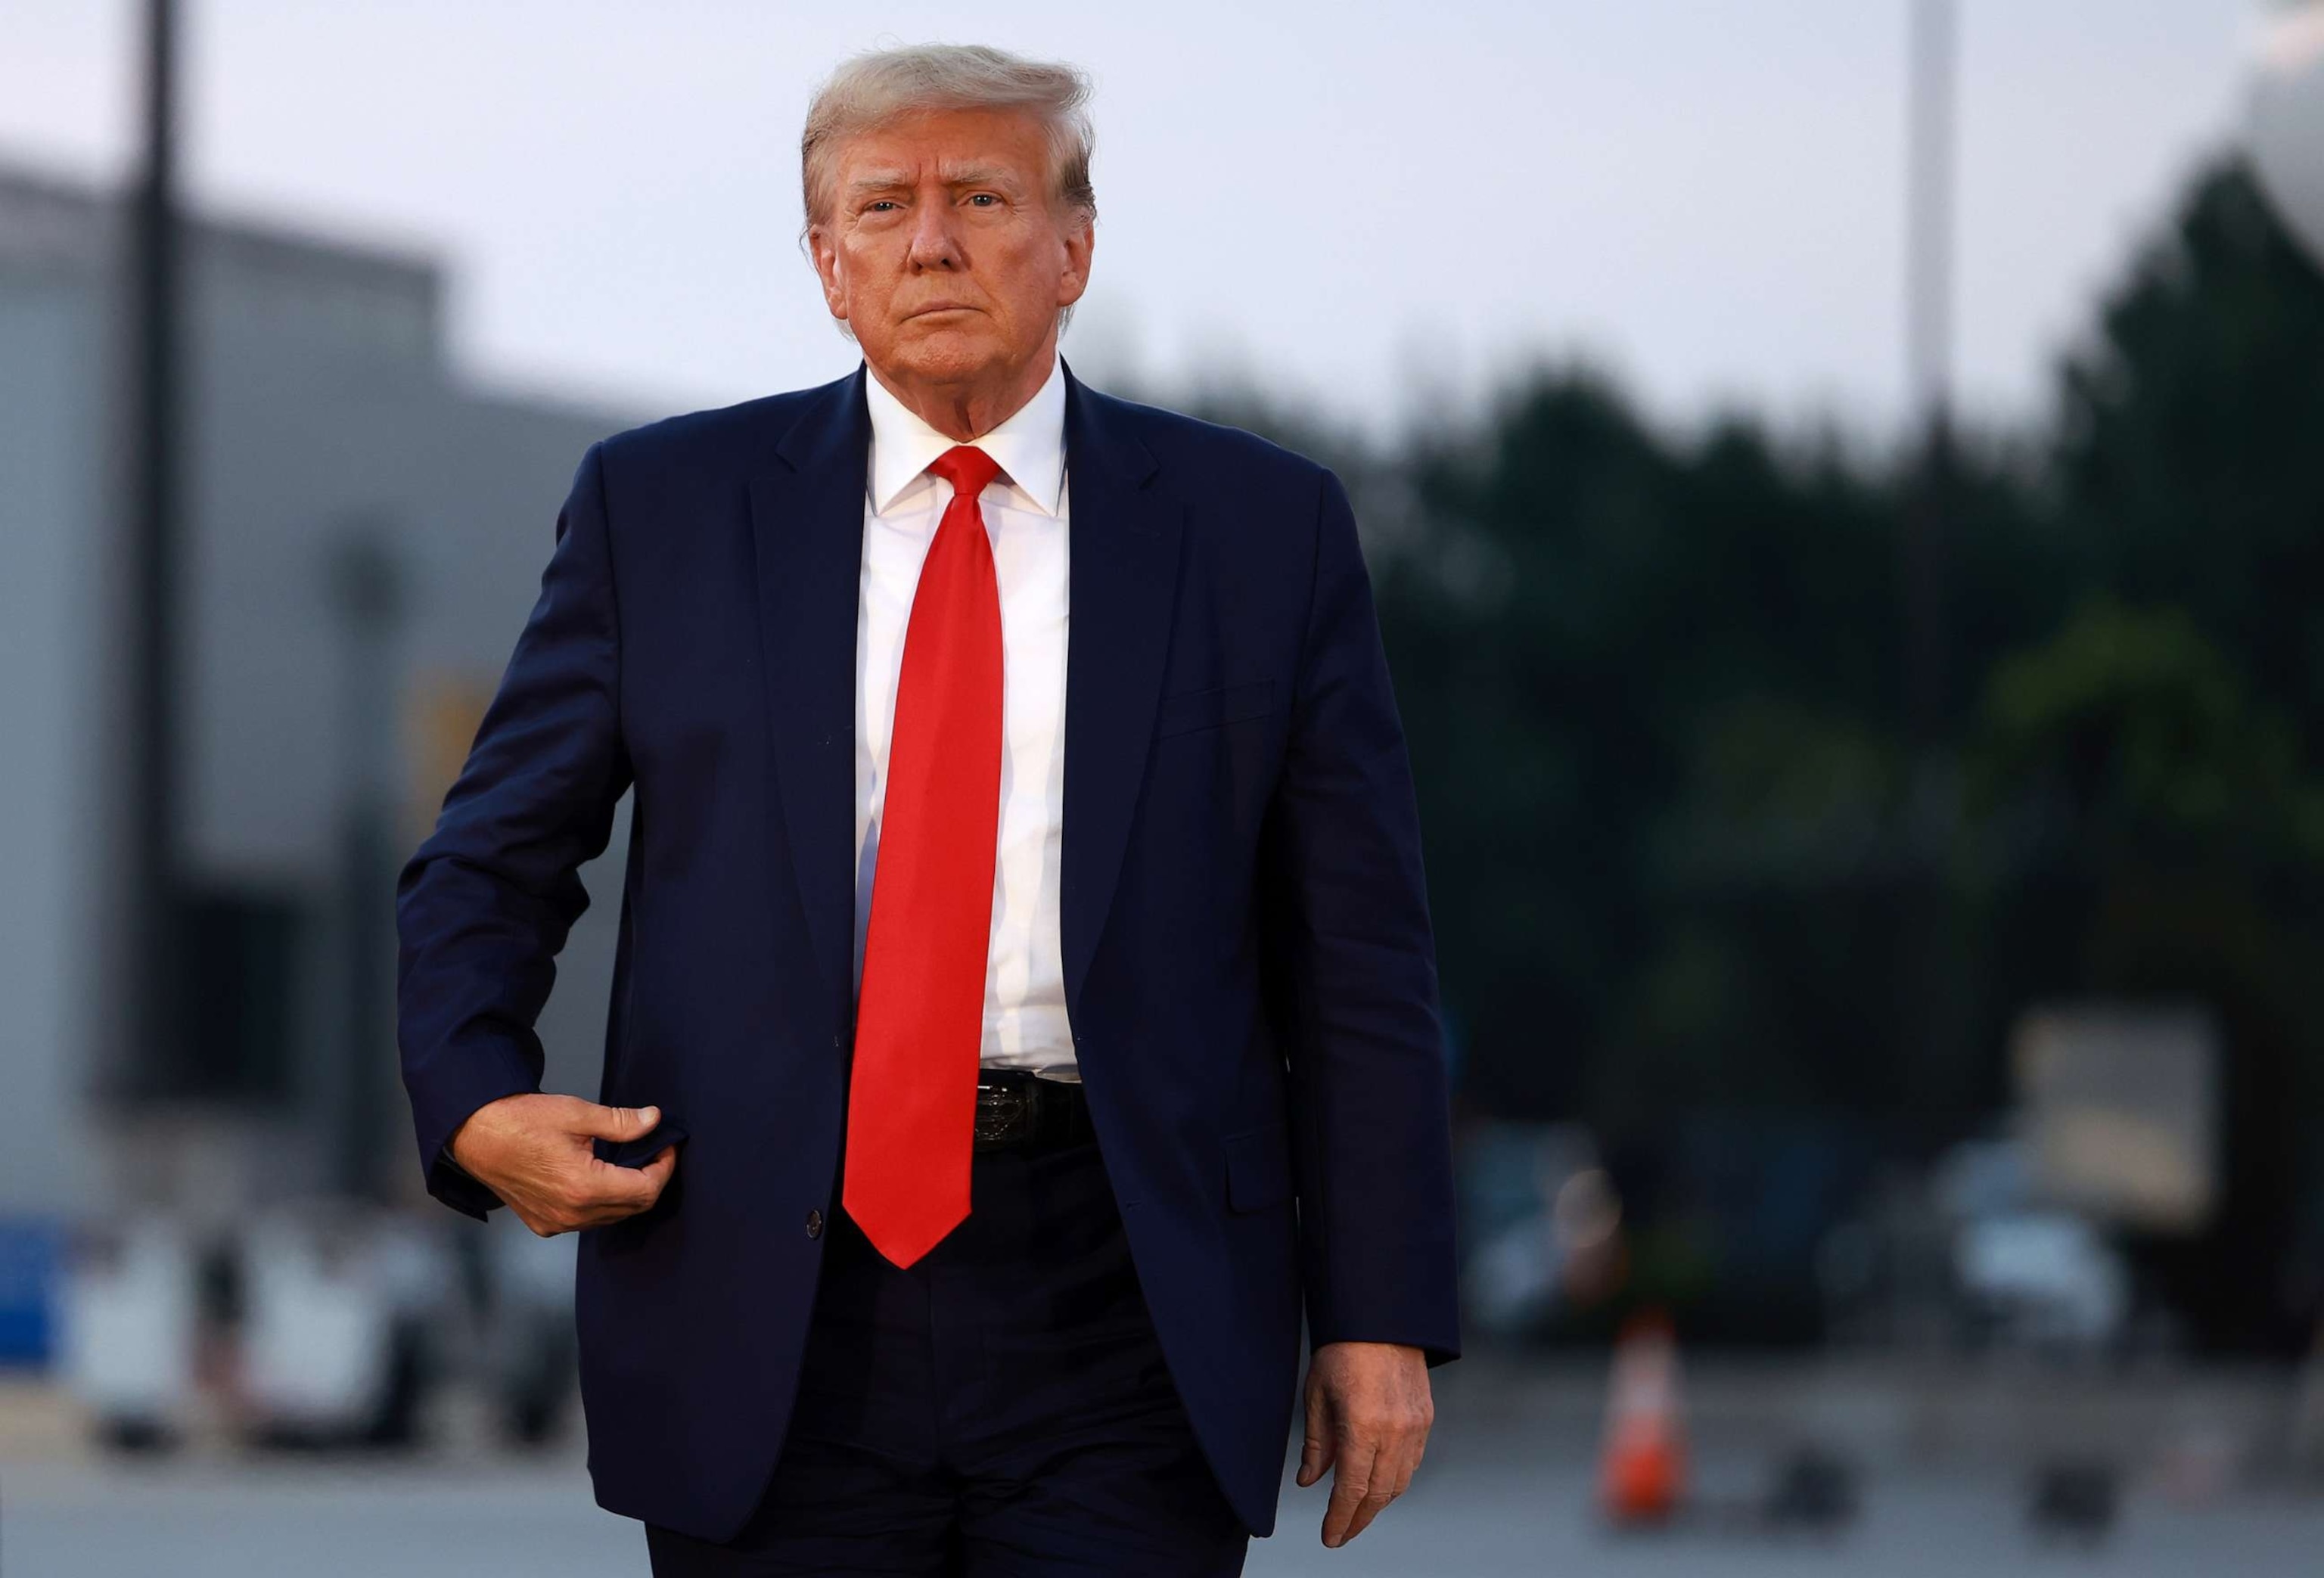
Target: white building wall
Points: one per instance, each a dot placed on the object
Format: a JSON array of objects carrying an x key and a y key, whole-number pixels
[
  {"x": 319, "y": 396},
  {"x": 51, "y": 693}
]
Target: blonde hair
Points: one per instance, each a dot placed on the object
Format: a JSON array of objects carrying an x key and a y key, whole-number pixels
[{"x": 883, "y": 86}]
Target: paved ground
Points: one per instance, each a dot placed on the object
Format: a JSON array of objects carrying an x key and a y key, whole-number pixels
[
  {"x": 1505, "y": 1491},
  {"x": 1487, "y": 1509}
]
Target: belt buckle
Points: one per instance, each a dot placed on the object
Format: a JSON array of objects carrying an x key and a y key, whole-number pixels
[{"x": 1004, "y": 1114}]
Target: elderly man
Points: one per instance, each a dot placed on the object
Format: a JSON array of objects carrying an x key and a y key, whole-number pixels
[{"x": 1025, "y": 1002}]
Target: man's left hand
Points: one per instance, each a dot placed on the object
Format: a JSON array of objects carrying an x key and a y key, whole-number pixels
[{"x": 1368, "y": 1413}]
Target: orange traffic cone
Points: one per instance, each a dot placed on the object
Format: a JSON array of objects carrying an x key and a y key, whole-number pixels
[{"x": 1643, "y": 1476}]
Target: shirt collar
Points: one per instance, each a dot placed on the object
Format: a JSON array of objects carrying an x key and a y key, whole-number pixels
[{"x": 1029, "y": 447}]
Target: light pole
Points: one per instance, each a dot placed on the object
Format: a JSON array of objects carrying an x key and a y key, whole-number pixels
[
  {"x": 156, "y": 1046},
  {"x": 1928, "y": 351},
  {"x": 1932, "y": 984},
  {"x": 368, "y": 592}
]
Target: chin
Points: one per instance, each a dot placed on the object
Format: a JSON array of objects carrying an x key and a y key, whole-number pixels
[{"x": 945, "y": 358}]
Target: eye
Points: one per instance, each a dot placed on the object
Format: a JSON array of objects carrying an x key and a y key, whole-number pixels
[
  {"x": 984, "y": 200},
  {"x": 880, "y": 205}
]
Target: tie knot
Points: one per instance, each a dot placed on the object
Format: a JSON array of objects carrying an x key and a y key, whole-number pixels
[{"x": 967, "y": 468}]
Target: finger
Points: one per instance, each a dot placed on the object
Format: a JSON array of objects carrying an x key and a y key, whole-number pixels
[
  {"x": 1315, "y": 1451},
  {"x": 1350, "y": 1484},
  {"x": 608, "y": 1194},
  {"x": 1408, "y": 1463},
  {"x": 656, "y": 1176},
  {"x": 1414, "y": 1449},
  {"x": 1400, "y": 1447},
  {"x": 616, "y": 1122},
  {"x": 604, "y": 1186},
  {"x": 1384, "y": 1489},
  {"x": 1397, "y": 1456}
]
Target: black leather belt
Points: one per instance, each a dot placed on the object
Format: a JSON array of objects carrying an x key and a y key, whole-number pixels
[{"x": 1020, "y": 1110}]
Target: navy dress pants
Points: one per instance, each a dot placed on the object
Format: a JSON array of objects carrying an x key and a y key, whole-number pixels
[{"x": 999, "y": 1408}]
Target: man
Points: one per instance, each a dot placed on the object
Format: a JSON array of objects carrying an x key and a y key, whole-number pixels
[{"x": 1015, "y": 1020}]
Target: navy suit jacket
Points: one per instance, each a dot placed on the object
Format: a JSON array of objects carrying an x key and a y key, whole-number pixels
[{"x": 1250, "y": 974}]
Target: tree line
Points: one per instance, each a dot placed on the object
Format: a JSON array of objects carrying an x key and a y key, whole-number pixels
[{"x": 1694, "y": 845}]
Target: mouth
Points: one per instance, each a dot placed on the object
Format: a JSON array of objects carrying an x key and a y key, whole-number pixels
[{"x": 933, "y": 308}]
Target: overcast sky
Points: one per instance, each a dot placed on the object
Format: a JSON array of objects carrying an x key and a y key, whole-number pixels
[{"x": 1368, "y": 206}]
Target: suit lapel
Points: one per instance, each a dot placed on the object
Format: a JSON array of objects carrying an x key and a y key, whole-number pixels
[
  {"x": 1124, "y": 586},
  {"x": 807, "y": 512}
]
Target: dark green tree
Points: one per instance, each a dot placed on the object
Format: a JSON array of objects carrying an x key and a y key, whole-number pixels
[
  {"x": 2150, "y": 777},
  {"x": 1656, "y": 692}
]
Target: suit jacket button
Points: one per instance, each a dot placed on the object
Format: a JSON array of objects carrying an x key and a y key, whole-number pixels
[{"x": 814, "y": 1223}]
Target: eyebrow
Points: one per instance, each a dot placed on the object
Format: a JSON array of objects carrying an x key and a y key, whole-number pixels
[
  {"x": 976, "y": 175},
  {"x": 879, "y": 180}
]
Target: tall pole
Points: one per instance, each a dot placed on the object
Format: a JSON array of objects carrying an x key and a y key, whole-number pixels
[
  {"x": 1928, "y": 353},
  {"x": 1934, "y": 983},
  {"x": 368, "y": 592},
  {"x": 156, "y": 1048}
]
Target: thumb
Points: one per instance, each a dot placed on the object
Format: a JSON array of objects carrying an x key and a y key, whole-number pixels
[
  {"x": 616, "y": 1122},
  {"x": 1315, "y": 1451}
]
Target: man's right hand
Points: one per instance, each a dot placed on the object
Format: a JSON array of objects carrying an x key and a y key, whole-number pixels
[{"x": 533, "y": 1151}]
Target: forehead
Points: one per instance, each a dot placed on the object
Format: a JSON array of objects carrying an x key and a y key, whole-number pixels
[{"x": 987, "y": 143}]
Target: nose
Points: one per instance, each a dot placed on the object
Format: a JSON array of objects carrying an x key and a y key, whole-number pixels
[{"x": 934, "y": 245}]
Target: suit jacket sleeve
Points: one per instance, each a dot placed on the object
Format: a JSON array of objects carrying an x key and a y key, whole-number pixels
[
  {"x": 1355, "y": 968},
  {"x": 485, "y": 906}
]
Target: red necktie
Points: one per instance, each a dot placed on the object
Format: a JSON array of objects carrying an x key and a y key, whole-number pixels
[{"x": 911, "y": 1098}]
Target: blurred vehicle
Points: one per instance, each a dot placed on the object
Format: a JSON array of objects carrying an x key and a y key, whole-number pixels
[
  {"x": 315, "y": 1333},
  {"x": 341, "y": 1328},
  {"x": 2026, "y": 1274},
  {"x": 2044, "y": 1279},
  {"x": 129, "y": 1332}
]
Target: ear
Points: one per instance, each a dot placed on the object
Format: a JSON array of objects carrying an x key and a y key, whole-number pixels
[
  {"x": 1080, "y": 240},
  {"x": 823, "y": 251}
]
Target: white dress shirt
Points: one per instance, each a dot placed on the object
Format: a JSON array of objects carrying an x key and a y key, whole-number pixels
[{"x": 1025, "y": 514}]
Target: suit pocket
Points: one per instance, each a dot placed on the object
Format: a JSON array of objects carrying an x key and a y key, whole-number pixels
[
  {"x": 1191, "y": 710},
  {"x": 1258, "y": 1169}
]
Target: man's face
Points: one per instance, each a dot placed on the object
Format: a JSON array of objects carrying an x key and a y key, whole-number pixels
[{"x": 943, "y": 245}]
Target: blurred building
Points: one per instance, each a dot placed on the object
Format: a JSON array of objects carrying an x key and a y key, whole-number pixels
[{"x": 362, "y": 534}]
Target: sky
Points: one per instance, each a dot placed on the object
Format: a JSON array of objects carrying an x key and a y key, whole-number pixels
[{"x": 1382, "y": 210}]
